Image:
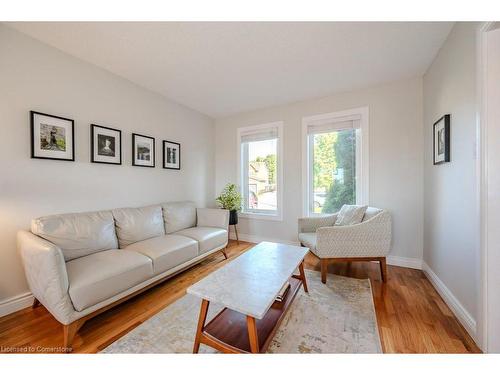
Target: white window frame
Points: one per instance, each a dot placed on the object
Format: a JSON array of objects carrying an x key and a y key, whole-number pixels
[
  {"x": 278, "y": 214},
  {"x": 362, "y": 155}
]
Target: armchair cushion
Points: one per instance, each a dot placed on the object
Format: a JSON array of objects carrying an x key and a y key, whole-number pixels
[
  {"x": 350, "y": 215},
  {"x": 311, "y": 224},
  {"x": 308, "y": 240},
  {"x": 371, "y": 212}
]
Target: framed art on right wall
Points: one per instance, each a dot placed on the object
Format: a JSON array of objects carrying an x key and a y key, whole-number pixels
[
  {"x": 441, "y": 140},
  {"x": 171, "y": 155}
]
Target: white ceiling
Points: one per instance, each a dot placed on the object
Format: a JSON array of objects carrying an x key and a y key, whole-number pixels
[{"x": 224, "y": 68}]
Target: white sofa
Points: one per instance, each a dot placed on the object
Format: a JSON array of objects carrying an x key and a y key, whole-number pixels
[
  {"x": 369, "y": 240},
  {"x": 78, "y": 265}
]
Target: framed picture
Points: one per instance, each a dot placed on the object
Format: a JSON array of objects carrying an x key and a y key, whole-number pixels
[
  {"x": 143, "y": 151},
  {"x": 52, "y": 137},
  {"x": 442, "y": 140},
  {"x": 171, "y": 155},
  {"x": 105, "y": 145}
]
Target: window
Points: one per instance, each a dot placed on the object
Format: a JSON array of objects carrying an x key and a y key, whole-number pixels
[
  {"x": 260, "y": 170},
  {"x": 335, "y": 161}
]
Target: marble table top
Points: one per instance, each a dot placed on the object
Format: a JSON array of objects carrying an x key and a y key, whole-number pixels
[{"x": 250, "y": 283}]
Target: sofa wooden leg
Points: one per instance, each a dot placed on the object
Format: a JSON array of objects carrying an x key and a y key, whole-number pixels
[
  {"x": 70, "y": 330},
  {"x": 36, "y": 303},
  {"x": 324, "y": 266},
  {"x": 224, "y": 252},
  {"x": 383, "y": 269}
]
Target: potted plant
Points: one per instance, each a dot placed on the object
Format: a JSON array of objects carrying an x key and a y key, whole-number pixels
[{"x": 230, "y": 199}]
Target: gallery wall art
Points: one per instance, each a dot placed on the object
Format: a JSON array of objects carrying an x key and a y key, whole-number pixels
[
  {"x": 143, "y": 151},
  {"x": 52, "y": 137},
  {"x": 171, "y": 155},
  {"x": 106, "y": 145}
]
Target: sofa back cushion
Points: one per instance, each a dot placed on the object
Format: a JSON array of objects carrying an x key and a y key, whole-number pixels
[
  {"x": 137, "y": 224},
  {"x": 179, "y": 215},
  {"x": 78, "y": 234}
]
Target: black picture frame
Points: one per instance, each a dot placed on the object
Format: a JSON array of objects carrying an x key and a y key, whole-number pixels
[
  {"x": 32, "y": 141},
  {"x": 446, "y": 139},
  {"x": 165, "y": 156},
  {"x": 134, "y": 163},
  {"x": 93, "y": 127}
]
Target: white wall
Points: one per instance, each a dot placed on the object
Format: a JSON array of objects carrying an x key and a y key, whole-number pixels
[
  {"x": 396, "y": 162},
  {"x": 34, "y": 76},
  {"x": 451, "y": 227}
]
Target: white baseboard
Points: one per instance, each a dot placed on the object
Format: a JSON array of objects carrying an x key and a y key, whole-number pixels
[
  {"x": 13, "y": 304},
  {"x": 453, "y": 303},
  {"x": 256, "y": 239},
  {"x": 394, "y": 260}
]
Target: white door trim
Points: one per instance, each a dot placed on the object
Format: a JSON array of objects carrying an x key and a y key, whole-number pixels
[{"x": 481, "y": 184}]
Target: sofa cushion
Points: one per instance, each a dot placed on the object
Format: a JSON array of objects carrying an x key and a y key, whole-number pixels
[
  {"x": 208, "y": 238},
  {"x": 178, "y": 216},
  {"x": 137, "y": 224},
  {"x": 350, "y": 215},
  {"x": 308, "y": 240},
  {"x": 99, "y": 276},
  {"x": 166, "y": 252},
  {"x": 78, "y": 234}
]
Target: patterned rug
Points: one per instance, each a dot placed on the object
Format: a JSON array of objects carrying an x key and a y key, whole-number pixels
[{"x": 338, "y": 317}]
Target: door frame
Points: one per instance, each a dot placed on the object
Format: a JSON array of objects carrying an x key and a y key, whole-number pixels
[{"x": 481, "y": 182}]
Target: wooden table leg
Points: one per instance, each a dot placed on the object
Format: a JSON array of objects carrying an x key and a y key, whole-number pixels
[
  {"x": 201, "y": 325},
  {"x": 252, "y": 335},
  {"x": 303, "y": 276}
]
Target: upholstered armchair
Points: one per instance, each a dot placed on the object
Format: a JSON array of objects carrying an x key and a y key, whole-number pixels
[{"x": 369, "y": 240}]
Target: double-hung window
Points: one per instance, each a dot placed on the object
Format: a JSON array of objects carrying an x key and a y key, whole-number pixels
[
  {"x": 260, "y": 170},
  {"x": 335, "y": 161}
]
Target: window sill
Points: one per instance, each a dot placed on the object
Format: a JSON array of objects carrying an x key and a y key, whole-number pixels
[{"x": 252, "y": 215}]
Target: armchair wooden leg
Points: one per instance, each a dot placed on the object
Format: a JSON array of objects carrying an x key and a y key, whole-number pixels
[
  {"x": 324, "y": 266},
  {"x": 36, "y": 303},
  {"x": 383, "y": 269},
  {"x": 224, "y": 252}
]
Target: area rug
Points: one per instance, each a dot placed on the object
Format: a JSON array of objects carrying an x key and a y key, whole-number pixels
[{"x": 338, "y": 317}]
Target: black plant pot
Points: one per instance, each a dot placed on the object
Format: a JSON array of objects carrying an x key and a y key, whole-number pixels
[{"x": 233, "y": 217}]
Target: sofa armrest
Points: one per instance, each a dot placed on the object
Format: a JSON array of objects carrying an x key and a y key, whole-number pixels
[
  {"x": 311, "y": 224},
  {"x": 212, "y": 217},
  {"x": 45, "y": 271},
  {"x": 371, "y": 238}
]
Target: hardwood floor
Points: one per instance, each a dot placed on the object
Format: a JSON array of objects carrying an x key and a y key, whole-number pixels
[{"x": 412, "y": 317}]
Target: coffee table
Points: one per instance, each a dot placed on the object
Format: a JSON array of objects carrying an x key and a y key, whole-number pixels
[{"x": 248, "y": 287}]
